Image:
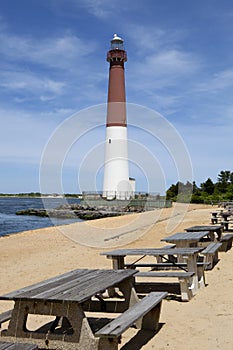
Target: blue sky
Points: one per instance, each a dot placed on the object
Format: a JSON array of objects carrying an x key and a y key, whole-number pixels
[{"x": 53, "y": 65}]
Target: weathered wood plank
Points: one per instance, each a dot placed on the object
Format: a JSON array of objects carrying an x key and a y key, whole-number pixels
[
  {"x": 153, "y": 251},
  {"x": 176, "y": 274},
  {"x": 17, "y": 346},
  {"x": 60, "y": 279},
  {"x": 163, "y": 265},
  {"x": 227, "y": 237},
  {"x": 226, "y": 241},
  {"x": 63, "y": 288},
  {"x": 203, "y": 228},
  {"x": 79, "y": 285},
  {"x": 186, "y": 236},
  {"x": 97, "y": 285},
  {"x": 116, "y": 327},
  {"x": 211, "y": 248},
  {"x": 5, "y": 316}
]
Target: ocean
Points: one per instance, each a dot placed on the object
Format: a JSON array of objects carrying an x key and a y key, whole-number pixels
[{"x": 11, "y": 223}]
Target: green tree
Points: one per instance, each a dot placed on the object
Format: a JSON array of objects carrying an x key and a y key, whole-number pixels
[
  {"x": 231, "y": 178},
  {"x": 208, "y": 186},
  {"x": 224, "y": 177},
  {"x": 172, "y": 192},
  {"x": 196, "y": 189},
  {"x": 223, "y": 181}
]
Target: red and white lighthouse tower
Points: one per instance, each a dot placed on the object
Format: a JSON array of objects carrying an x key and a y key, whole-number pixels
[{"x": 116, "y": 168}]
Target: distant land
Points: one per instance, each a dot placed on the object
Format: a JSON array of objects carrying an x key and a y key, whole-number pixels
[
  {"x": 207, "y": 192},
  {"x": 38, "y": 195}
]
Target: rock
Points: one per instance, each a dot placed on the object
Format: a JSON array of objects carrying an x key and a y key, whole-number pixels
[
  {"x": 93, "y": 215},
  {"x": 37, "y": 212},
  {"x": 62, "y": 213},
  {"x": 83, "y": 212}
]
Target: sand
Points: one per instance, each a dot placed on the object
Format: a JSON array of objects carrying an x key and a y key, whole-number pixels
[{"x": 205, "y": 322}]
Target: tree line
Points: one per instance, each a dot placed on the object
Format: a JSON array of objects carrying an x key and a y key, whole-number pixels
[{"x": 207, "y": 192}]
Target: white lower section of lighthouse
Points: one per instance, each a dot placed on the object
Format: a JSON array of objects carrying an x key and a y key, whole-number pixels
[{"x": 116, "y": 167}]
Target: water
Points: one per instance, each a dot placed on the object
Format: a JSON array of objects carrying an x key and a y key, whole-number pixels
[{"x": 12, "y": 223}]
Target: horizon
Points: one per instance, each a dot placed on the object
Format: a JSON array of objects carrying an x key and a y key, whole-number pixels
[{"x": 80, "y": 193}]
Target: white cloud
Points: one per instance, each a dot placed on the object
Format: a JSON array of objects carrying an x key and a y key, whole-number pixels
[
  {"x": 171, "y": 62},
  {"x": 19, "y": 81},
  {"x": 160, "y": 62},
  {"x": 49, "y": 68},
  {"x": 219, "y": 81},
  {"x": 149, "y": 38},
  {"x": 56, "y": 52},
  {"x": 98, "y": 8},
  {"x": 162, "y": 70}
]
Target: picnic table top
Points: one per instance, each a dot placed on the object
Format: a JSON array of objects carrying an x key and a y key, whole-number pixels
[
  {"x": 185, "y": 236},
  {"x": 77, "y": 285},
  {"x": 153, "y": 251},
  {"x": 17, "y": 346},
  {"x": 226, "y": 213},
  {"x": 204, "y": 228}
]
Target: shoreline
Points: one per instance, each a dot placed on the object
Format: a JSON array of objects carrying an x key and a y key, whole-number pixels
[{"x": 102, "y": 221}]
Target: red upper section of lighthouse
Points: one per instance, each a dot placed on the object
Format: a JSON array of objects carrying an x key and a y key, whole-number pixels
[{"x": 116, "y": 113}]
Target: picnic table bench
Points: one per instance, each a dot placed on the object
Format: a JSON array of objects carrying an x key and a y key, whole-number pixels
[
  {"x": 146, "y": 311},
  {"x": 185, "y": 280},
  {"x": 174, "y": 270},
  {"x": 211, "y": 254},
  {"x": 226, "y": 241},
  {"x": 17, "y": 346},
  {"x": 67, "y": 298},
  {"x": 5, "y": 316}
]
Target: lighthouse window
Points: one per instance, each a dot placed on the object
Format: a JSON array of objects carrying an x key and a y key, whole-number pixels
[{"x": 109, "y": 141}]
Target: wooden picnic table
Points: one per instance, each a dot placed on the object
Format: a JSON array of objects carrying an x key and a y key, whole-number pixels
[
  {"x": 226, "y": 215},
  {"x": 17, "y": 346},
  {"x": 186, "y": 239},
  {"x": 218, "y": 229},
  {"x": 223, "y": 217},
  {"x": 67, "y": 297},
  {"x": 190, "y": 255},
  {"x": 194, "y": 239}
]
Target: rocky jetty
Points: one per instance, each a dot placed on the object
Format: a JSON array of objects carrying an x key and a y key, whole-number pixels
[{"x": 72, "y": 211}]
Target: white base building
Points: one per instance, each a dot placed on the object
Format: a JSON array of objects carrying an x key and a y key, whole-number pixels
[{"x": 116, "y": 172}]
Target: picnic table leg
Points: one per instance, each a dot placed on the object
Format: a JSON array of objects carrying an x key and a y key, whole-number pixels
[
  {"x": 108, "y": 343},
  {"x": 118, "y": 262},
  {"x": 186, "y": 288},
  {"x": 128, "y": 290},
  {"x": 219, "y": 234},
  {"x": 81, "y": 335},
  {"x": 182, "y": 244},
  {"x": 151, "y": 320},
  {"x": 18, "y": 321},
  {"x": 211, "y": 236},
  {"x": 130, "y": 295},
  {"x": 201, "y": 276},
  {"x": 192, "y": 267}
]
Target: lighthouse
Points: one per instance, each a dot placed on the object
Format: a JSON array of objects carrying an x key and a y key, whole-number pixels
[{"x": 117, "y": 184}]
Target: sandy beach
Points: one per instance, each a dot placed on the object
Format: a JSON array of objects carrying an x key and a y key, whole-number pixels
[{"x": 205, "y": 322}]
